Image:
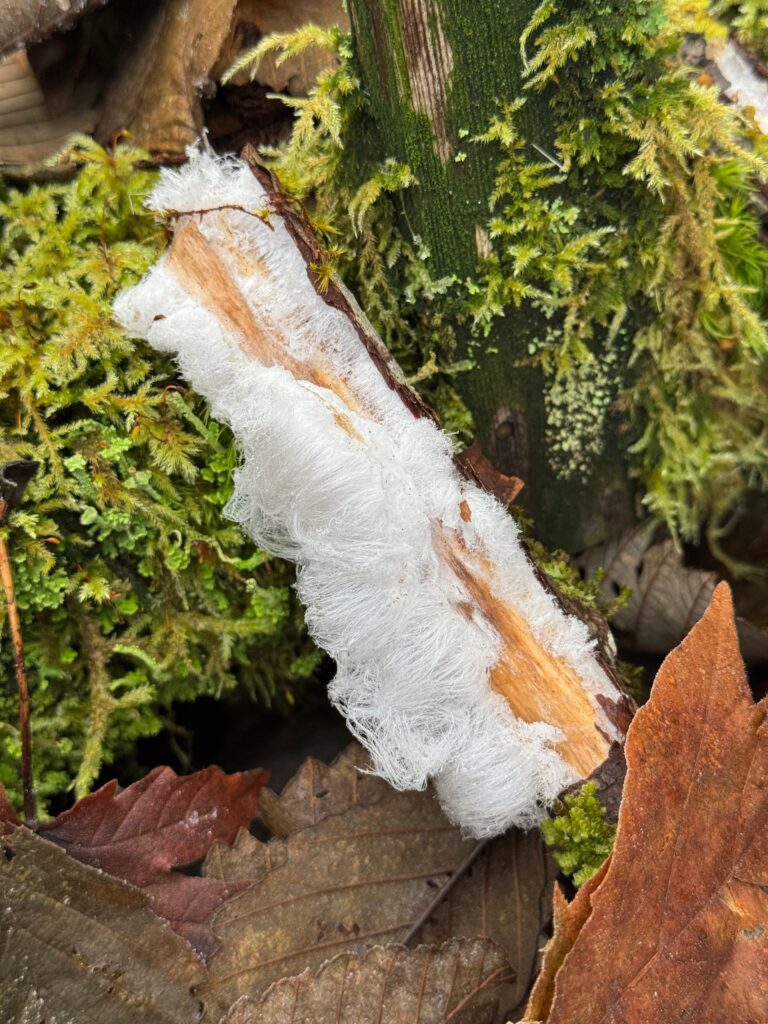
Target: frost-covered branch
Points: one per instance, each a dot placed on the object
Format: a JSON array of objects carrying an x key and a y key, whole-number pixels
[{"x": 454, "y": 660}]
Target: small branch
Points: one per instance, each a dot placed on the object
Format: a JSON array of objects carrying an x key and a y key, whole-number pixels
[
  {"x": 441, "y": 894},
  {"x": 14, "y": 477}
]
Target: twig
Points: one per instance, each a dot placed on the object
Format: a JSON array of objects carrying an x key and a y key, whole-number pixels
[
  {"x": 13, "y": 479},
  {"x": 441, "y": 894}
]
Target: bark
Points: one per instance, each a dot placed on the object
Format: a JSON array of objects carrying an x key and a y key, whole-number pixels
[{"x": 433, "y": 72}]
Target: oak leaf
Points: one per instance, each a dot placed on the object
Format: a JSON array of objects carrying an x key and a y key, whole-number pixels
[
  {"x": 456, "y": 982},
  {"x": 163, "y": 821},
  {"x": 77, "y": 945},
  {"x": 358, "y": 865},
  {"x": 678, "y": 928}
]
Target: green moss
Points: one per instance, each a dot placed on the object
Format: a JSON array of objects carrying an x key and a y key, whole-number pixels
[
  {"x": 579, "y": 834},
  {"x": 133, "y": 588}
]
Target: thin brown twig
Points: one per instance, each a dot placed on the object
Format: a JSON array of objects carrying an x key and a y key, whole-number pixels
[
  {"x": 14, "y": 623},
  {"x": 443, "y": 891}
]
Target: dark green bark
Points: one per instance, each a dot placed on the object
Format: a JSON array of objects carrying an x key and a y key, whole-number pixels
[{"x": 433, "y": 72}]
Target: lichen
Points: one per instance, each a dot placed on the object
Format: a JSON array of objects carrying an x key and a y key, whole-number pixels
[{"x": 580, "y": 834}]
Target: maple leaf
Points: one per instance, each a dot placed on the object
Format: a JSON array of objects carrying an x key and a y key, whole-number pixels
[
  {"x": 677, "y": 930},
  {"x": 357, "y": 864},
  {"x": 77, "y": 945},
  {"x": 163, "y": 821},
  {"x": 457, "y": 982}
]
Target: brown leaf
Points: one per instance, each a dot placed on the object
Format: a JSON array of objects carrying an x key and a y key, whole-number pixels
[
  {"x": 679, "y": 925},
  {"x": 666, "y": 597},
  {"x": 363, "y": 875},
  {"x": 318, "y": 791},
  {"x": 77, "y": 945},
  {"x": 567, "y": 921},
  {"x": 163, "y": 821},
  {"x": 458, "y": 982},
  {"x": 8, "y": 817},
  {"x": 157, "y": 93},
  {"x": 23, "y": 23}
]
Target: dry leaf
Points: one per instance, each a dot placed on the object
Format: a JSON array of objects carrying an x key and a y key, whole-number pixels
[
  {"x": 8, "y": 817},
  {"x": 679, "y": 925},
  {"x": 29, "y": 130},
  {"x": 362, "y": 875},
  {"x": 23, "y": 22},
  {"x": 157, "y": 93},
  {"x": 318, "y": 791},
  {"x": 666, "y": 597},
  {"x": 77, "y": 945},
  {"x": 457, "y": 982},
  {"x": 567, "y": 921},
  {"x": 163, "y": 821}
]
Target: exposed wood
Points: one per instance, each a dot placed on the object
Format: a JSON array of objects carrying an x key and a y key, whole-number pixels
[{"x": 538, "y": 685}]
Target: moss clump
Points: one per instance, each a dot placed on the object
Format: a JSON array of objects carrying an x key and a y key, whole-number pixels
[
  {"x": 630, "y": 236},
  {"x": 580, "y": 835},
  {"x": 133, "y": 589}
]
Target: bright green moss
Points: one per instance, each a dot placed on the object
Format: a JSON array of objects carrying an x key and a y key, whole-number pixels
[
  {"x": 580, "y": 836},
  {"x": 629, "y": 245},
  {"x": 134, "y": 590}
]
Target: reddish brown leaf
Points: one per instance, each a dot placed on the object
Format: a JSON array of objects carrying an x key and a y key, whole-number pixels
[
  {"x": 164, "y": 821},
  {"x": 679, "y": 926},
  {"x": 568, "y": 919},
  {"x": 8, "y": 817}
]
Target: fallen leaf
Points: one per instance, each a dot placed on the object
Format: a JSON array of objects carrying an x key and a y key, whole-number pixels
[
  {"x": 319, "y": 790},
  {"x": 457, "y": 982},
  {"x": 679, "y": 925},
  {"x": 567, "y": 921},
  {"x": 163, "y": 821},
  {"x": 23, "y": 23},
  {"x": 8, "y": 817},
  {"x": 157, "y": 93},
  {"x": 359, "y": 865},
  {"x": 666, "y": 597},
  {"x": 77, "y": 945}
]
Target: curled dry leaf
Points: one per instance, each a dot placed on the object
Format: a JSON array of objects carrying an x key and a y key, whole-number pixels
[
  {"x": 77, "y": 945},
  {"x": 678, "y": 929},
  {"x": 458, "y": 982},
  {"x": 163, "y": 821},
  {"x": 666, "y": 597},
  {"x": 359, "y": 864},
  {"x": 157, "y": 93}
]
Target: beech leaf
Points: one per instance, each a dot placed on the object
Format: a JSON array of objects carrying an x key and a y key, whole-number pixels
[
  {"x": 77, "y": 945},
  {"x": 163, "y": 821},
  {"x": 457, "y": 982},
  {"x": 359, "y": 864},
  {"x": 679, "y": 925}
]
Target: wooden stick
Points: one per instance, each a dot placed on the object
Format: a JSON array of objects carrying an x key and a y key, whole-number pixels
[{"x": 14, "y": 622}]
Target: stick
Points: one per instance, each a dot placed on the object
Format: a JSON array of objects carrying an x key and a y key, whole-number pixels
[
  {"x": 13, "y": 479},
  {"x": 441, "y": 894}
]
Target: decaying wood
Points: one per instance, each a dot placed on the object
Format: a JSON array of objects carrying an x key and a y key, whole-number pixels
[{"x": 547, "y": 688}]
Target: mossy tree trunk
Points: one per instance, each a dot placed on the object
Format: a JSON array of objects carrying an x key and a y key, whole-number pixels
[{"x": 433, "y": 72}]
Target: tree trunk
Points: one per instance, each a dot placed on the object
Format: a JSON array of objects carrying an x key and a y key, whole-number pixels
[{"x": 433, "y": 72}]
